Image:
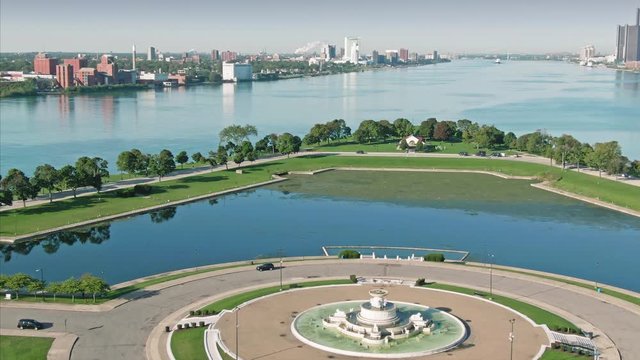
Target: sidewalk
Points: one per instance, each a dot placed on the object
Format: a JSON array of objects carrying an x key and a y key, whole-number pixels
[{"x": 62, "y": 343}]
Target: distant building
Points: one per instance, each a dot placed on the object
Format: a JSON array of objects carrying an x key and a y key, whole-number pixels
[
  {"x": 587, "y": 52},
  {"x": 375, "y": 57},
  {"x": 215, "y": 55},
  {"x": 76, "y": 63},
  {"x": 435, "y": 56},
  {"x": 403, "y": 55},
  {"x": 227, "y": 56},
  {"x": 108, "y": 68},
  {"x": 413, "y": 57},
  {"x": 628, "y": 41},
  {"x": 64, "y": 75},
  {"x": 236, "y": 72},
  {"x": 351, "y": 49},
  {"x": 341, "y": 53},
  {"x": 86, "y": 76},
  {"x": 44, "y": 65},
  {"x": 152, "y": 77},
  {"x": 392, "y": 56},
  {"x": 152, "y": 55},
  {"x": 126, "y": 76},
  {"x": 133, "y": 57},
  {"x": 331, "y": 49}
]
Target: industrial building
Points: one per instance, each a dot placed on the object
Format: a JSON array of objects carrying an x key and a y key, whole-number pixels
[{"x": 236, "y": 72}]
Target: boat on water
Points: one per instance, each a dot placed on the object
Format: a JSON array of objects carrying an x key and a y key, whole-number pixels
[
  {"x": 169, "y": 84},
  {"x": 498, "y": 61}
]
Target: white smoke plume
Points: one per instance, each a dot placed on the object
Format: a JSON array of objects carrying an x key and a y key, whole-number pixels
[{"x": 311, "y": 47}]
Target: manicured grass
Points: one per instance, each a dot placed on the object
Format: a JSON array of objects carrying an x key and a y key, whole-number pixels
[
  {"x": 622, "y": 296},
  {"x": 538, "y": 315},
  {"x": 46, "y": 216},
  {"x": 235, "y": 300},
  {"x": 392, "y": 146},
  {"x": 223, "y": 354},
  {"x": 189, "y": 344},
  {"x": 24, "y": 347},
  {"x": 553, "y": 354}
]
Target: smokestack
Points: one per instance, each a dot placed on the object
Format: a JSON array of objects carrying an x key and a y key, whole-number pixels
[
  {"x": 134, "y": 57},
  {"x": 638, "y": 18}
]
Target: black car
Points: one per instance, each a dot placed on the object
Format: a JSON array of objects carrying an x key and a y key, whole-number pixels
[
  {"x": 463, "y": 153},
  {"x": 265, "y": 267},
  {"x": 29, "y": 324},
  {"x": 360, "y": 152},
  {"x": 481, "y": 153}
]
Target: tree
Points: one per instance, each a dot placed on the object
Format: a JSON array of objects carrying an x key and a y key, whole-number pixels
[
  {"x": 126, "y": 162},
  {"x": 182, "y": 158},
  {"x": 607, "y": 156},
  {"x": 420, "y": 146},
  {"x": 72, "y": 287},
  {"x": 403, "y": 145},
  {"x": 6, "y": 197},
  {"x": 566, "y": 150},
  {"x": 488, "y": 137},
  {"x": 238, "y": 157},
  {"x": 317, "y": 134},
  {"x": 141, "y": 161},
  {"x": 162, "y": 164},
  {"x": 510, "y": 140},
  {"x": 221, "y": 157},
  {"x": 443, "y": 131},
  {"x": 368, "y": 131},
  {"x": 273, "y": 141},
  {"x": 288, "y": 144},
  {"x": 386, "y": 129},
  {"x": 403, "y": 127},
  {"x": 237, "y": 133},
  {"x": 54, "y": 288},
  {"x": 197, "y": 158},
  {"x": 47, "y": 177},
  {"x": 212, "y": 160},
  {"x": 18, "y": 184},
  {"x": 69, "y": 178},
  {"x": 17, "y": 282},
  {"x": 35, "y": 286},
  {"x": 93, "y": 285},
  {"x": 91, "y": 171},
  {"x": 426, "y": 128}
]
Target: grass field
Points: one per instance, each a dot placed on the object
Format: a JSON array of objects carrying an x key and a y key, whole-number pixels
[
  {"x": 189, "y": 344},
  {"x": 60, "y": 213},
  {"x": 445, "y": 147},
  {"x": 538, "y": 315},
  {"x": 24, "y": 347},
  {"x": 552, "y": 354}
]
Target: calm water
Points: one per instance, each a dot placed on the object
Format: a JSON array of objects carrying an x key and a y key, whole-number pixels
[
  {"x": 537, "y": 230},
  {"x": 592, "y": 104}
]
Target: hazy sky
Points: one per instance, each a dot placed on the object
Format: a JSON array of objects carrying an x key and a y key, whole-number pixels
[{"x": 284, "y": 25}]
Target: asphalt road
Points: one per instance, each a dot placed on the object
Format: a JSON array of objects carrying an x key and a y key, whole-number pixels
[{"x": 122, "y": 332}]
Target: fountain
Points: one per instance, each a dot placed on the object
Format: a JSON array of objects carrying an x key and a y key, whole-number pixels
[{"x": 379, "y": 328}]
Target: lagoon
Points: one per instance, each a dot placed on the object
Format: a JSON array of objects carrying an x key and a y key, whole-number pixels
[
  {"x": 593, "y": 104},
  {"x": 520, "y": 225}
]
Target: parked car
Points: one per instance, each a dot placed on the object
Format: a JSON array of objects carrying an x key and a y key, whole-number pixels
[
  {"x": 481, "y": 153},
  {"x": 29, "y": 324},
  {"x": 463, "y": 153},
  {"x": 360, "y": 152},
  {"x": 265, "y": 267}
]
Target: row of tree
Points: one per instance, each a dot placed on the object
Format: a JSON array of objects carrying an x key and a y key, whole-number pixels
[{"x": 86, "y": 284}]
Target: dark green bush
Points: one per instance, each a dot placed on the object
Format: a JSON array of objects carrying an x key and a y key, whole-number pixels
[
  {"x": 198, "y": 312},
  {"x": 349, "y": 254},
  {"x": 125, "y": 193},
  {"x": 437, "y": 257},
  {"x": 420, "y": 282},
  {"x": 353, "y": 278},
  {"x": 191, "y": 313},
  {"x": 293, "y": 286},
  {"x": 142, "y": 189}
]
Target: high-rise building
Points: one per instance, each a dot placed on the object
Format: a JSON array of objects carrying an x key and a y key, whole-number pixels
[
  {"x": 331, "y": 51},
  {"x": 236, "y": 72},
  {"x": 628, "y": 41},
  {"x": 587, "y": 52},
  {"x": 228, "y": 56},
  {"x": 133, "y": 57},
  {"x": 436, "y": 56},
  {"x": 352, "y": 49},
  {"x": 403, "y": 55},
  {"x": 44, "y": 65},
  {"x": 152, "y": 54},
  {"x": 375, "y": 57},
  {"x": 215, "y": 55},
  {"x": 108, "y": 68},
  {"x": 392, "y": 56},
  {"x": 64, "y": 75}
]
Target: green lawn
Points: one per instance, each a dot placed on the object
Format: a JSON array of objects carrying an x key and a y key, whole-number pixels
[
  {"x": 392, "y": 146},
  {"x": 553, "y": 354},
  {"x": 538, "y": 315},
  {"x": 46, "y": 216},
  {"x": 24, "y": 347},
  {"x": 235, "y": 300},
  {"x": 189, "y": 344},
  {"x": 223, "y": 354}
]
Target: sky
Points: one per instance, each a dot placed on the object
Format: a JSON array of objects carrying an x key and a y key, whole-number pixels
[{"x": 249, "y": 26}]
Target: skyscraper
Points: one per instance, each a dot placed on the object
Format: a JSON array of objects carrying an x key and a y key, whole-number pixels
[
  {"x": 151, "y": 54},
  {"x": 215, "y": 55},
  {"x": 331, "y": 51},
  {"x": 352, "y": 49},
  {"x": 628, "y": 41},
  {"x": 587, "y": 52},
  {"x": 404, "y": 55}
]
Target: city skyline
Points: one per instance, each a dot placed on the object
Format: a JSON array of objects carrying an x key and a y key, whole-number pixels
[{"x": 463, "y": 26}]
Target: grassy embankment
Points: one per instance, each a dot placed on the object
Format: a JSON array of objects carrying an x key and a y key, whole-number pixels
[
  {"x": 18, "y": 88},
  {"x": 24, "y": 347},
  {"x": 538, "y": 315},
  {"x": 189, "y": 344},
  {"x": 445, "y": 147},
  {"x": 554, "y": 354},
  {"x": 94, "y": 207}
]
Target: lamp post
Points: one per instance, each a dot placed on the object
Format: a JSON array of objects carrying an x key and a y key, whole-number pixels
[
  {"x": 280, "y": 267},
  {"x": 41, "y": 271},
  {"x": 490, "y": 276},
  {"x": 511, "y": 337},
  {"x": 596, "y": 277}
]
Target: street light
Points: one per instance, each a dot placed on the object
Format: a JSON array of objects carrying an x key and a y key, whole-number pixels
[
  {"x": 280, "y": 252},
  {"x": 596, "y": 276},
  {"x": 511, "y": 337},
  {"x": 490, "y": 276},
  {"x": 41, "y": 271}
]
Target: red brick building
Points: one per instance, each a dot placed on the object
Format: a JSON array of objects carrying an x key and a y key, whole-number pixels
[
  {"x": 64, "y": 75},
  {"x": 404, "y": 55},
  {"x": 228, "y": 56},
  {"x": 44, "y": 65},
  {"x": 86, "y": 76},
  {"x": 108, "y": 68},
  {"x": 77, "y": 63}
]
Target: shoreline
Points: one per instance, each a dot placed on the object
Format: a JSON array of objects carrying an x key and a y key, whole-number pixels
[{"x": 275, "y": 179}]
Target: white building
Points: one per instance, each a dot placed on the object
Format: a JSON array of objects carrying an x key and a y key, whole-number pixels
[
  {"x": 588, "y": 52},
  {"x": 149, "y": 76},
  {"x": 236, "y": 72},
  {"x": 352, "y": 49}
]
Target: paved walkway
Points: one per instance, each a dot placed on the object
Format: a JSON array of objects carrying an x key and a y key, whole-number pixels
[
  {"x": 60, "y": 348},
  {"x": 123, "y": 332}
]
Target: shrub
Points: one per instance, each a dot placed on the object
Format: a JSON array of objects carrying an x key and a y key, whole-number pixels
[
  {"x": 125, "y": 193},
  {"x": 142, "y": 189},
  {"x": 201, "y": 323},
  {"x": 293, "y": 286},
  {"x": 437, "y": 257},
  {"x": 205, "y": 312},
  {"x": 187, "y": 326},
  {"x": 349, "y": 254},
  {"x": 353, "y": 278},
  {"x": 179, "y": 327},
  {"x": 420, "y": 282},
  {"x": 198, "y": 312},
  {"x": 191, "y": 313},
  {"x": 167, "y": 329}
]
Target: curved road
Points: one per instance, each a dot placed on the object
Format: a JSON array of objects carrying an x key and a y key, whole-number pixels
[{"x": 122, "y": 332}]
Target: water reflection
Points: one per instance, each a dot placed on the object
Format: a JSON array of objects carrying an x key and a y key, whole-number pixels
[
  {"x": 627, "y": 81},
  {"x": 51, "y": 244},
  {"x": 163, "y": 215}
]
